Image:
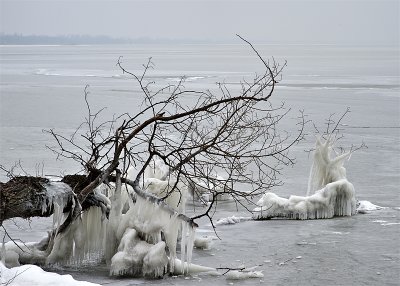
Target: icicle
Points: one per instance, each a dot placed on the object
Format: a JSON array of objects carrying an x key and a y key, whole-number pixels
[
  {"x": 130, "y": 240},
  {"x": 191, "y": 269},
  {"x": 190, "y": 244},
  {"x": 183, "y": 242},
  {"x": 3, "y": 252},
  {"x": 114, "y": 219}
]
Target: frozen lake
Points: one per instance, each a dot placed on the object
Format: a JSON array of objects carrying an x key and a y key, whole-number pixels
[{"x": 42, "y": 87}]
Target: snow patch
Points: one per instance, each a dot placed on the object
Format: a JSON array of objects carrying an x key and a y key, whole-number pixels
[
  {"x": 390, "y": 223},
  {"x": 32, "y": 275}
]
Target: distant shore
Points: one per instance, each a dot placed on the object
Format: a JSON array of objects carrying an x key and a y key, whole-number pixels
[{"x": 42, "y": 40}]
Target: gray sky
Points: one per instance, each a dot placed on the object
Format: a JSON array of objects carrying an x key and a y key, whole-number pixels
[{"x": 284, "y": 21}]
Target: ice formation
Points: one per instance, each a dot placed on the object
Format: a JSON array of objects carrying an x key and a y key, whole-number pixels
[
  {"x": 204, "y": 191},
  {"x": 138, "y": 239},
  {"x": 329, "y": 193}
]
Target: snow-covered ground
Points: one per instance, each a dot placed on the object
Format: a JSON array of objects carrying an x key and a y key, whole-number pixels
[{"x": 32, "y": 275}]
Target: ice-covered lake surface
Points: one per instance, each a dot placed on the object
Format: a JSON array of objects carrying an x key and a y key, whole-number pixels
[{"x": 41, "y": 87}]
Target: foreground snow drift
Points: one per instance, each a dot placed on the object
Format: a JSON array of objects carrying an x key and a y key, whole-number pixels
[
  {"x": 32, "y": 275},
  {"x": 333, "y": 194}
]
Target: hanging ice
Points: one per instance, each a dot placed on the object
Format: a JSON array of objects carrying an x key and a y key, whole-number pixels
[
  {"x": 139, "y": 238},
  {"x": 329, "y": 193}
]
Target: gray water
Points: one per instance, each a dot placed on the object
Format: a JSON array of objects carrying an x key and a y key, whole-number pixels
[{"x": 41, "y": 87}]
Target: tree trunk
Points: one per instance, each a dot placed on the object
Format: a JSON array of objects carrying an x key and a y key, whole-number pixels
[
  {"x": 35, "y": 196},
  {"x": 27, "y": 197}
]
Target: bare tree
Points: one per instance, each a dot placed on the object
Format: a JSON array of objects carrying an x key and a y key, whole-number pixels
[
  {"x": 197, "y": 134},
  {"x": 228, "y": 142}
]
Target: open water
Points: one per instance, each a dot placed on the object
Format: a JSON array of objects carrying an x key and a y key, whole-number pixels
[{"x": 41, "y": 87}]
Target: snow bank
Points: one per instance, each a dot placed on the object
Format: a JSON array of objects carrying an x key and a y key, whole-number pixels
[
  {"x": 32, "y": 275},
  {"x": 329, "y": 193}
]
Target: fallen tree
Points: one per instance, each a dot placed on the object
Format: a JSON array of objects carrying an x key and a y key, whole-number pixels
[{"x": 139, "y": 170}]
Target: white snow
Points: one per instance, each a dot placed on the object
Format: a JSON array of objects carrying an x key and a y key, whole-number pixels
[{"x": 32, "y": 275}]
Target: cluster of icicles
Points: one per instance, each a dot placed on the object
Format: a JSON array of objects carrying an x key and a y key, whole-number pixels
[
  {"x": 329, "y": 193},
  {"x": 139, "y": 239}
]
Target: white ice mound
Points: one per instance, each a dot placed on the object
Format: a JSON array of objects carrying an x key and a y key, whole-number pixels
[
  {"x": 244, "y": 274},
  {"x": 136, "y": 257},
  {"x": 204, "y": 242},
  {"x": 332, "y": 194},
  {"x": 366, "y": 206},
  {"x": 32, "y": 275},
  {"x": 336, "y": 199},
  {"x": 241, "y": 275},
  {"x": 232, "y": 220},
  {"x": 204, "y": 190}
]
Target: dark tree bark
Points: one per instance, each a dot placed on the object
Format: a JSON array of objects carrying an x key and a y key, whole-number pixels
[{"x": 26, "y": 196}]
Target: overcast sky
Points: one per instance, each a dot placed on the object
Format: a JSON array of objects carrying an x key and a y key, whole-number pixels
[{"x": 314, "y": 22}]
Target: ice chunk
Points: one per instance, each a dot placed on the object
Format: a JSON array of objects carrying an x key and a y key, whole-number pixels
[
  {"x": 366, "y": 206},
  {"x": 129, "y": 258},
  {"x": 156, "y": 260},
  {"x": 204, "y": 242},
  {"x": 240, "y": 275},
  {"x": 231, "y": 220}
]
